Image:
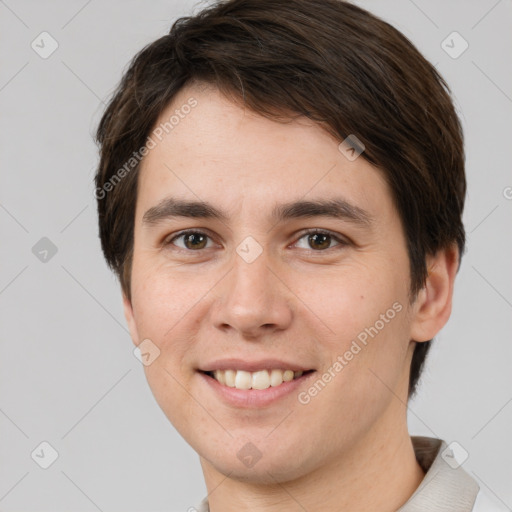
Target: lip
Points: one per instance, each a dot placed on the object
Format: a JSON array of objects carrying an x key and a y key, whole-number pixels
[
  {"x": 253, "y": 398},
  {"x": 252, "y": 366}
]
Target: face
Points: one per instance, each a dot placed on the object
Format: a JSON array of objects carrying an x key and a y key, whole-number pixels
[{"x": 291, "y": 264}]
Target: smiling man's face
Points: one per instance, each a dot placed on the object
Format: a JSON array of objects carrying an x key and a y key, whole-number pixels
[{"x": 250, "y": 289}]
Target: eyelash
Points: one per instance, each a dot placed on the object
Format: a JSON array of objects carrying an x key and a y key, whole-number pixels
[{"x": 340, "y": 242}]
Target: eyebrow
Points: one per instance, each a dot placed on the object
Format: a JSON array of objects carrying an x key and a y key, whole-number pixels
[{"x": 337, "y": 208}]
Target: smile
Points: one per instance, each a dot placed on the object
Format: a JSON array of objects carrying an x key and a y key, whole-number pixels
[{"x": 261, "y": 379}]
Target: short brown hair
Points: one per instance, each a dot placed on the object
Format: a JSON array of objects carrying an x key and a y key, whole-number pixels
[{"x": 328, "y": 60}]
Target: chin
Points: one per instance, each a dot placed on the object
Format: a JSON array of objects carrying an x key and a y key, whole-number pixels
[{"x": 266, "y": 466}]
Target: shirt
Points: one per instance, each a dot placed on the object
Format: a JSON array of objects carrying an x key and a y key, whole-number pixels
[{"x": 446, "y": 487}]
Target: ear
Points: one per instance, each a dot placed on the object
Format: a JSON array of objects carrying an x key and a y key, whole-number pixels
[
  {"x": 130, "y": 320},
  {"x": 433, "y": 305}
]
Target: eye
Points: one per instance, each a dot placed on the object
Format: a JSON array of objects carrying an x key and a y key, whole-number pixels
[
  {"x": 319, "y": 240},
  {"x": 316, "y": 239},
  {"x": 192, "y": 240}
]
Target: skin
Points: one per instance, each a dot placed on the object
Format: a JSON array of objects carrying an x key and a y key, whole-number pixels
[{"x": 349, "y": 447}]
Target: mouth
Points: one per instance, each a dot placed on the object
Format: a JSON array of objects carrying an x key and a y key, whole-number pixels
[
  {"x": 251, "y": 383},
  {"x": 256, "y": 380}
]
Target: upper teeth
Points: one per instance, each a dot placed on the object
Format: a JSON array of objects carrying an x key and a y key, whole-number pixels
[{"x": 261, "y": 379}]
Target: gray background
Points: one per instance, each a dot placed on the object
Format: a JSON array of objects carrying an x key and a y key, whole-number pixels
[{"x": 68, "y": 374}]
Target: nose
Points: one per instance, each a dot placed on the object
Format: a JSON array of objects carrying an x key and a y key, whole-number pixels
[{"x": 253, "y": 300}]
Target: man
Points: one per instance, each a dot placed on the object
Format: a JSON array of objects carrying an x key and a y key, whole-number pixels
[{"x": 280, "y": 192}]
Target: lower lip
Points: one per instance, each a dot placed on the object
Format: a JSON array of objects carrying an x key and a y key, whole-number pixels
[{"x": 254, "y": 398}]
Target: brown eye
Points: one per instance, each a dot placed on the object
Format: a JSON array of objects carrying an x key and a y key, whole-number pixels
[
  {"x": 192, "y": 240},
  {"x": 195, "y": 241},
  {"x": 318, "y": 240}
]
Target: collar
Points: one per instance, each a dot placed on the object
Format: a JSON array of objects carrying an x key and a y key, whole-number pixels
[{"x": 445, "y": 487}]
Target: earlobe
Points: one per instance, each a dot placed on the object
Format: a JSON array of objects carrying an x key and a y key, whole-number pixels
[
  {"x": 433, "y": 305},
  {"x": 130, "y": 319}
]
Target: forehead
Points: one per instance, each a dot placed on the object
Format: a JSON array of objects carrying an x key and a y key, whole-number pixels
[{"x": 206, "y": 146}]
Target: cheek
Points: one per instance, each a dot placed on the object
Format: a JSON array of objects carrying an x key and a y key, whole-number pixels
[
  {"x": 365, "y": 373},
  {"x": 162, "y": 299},
  {"x": 161, "y": 311},
  {"x": 163, "y": 306},
  {"x": 352, "y": 298},
  {"x": 366, "y": 312}
]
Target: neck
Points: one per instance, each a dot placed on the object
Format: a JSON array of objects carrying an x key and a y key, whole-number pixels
[{"x": 380, "y": 472}]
